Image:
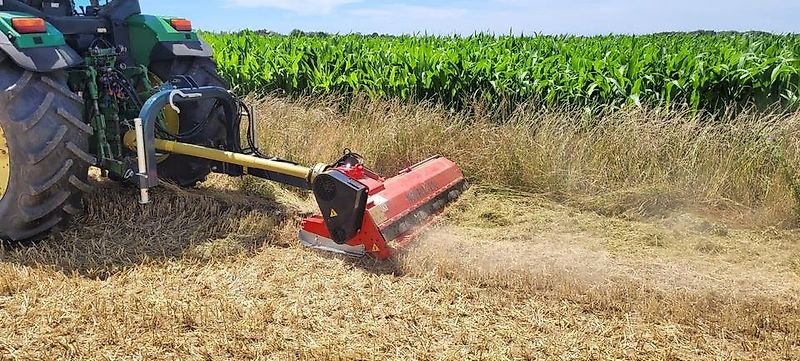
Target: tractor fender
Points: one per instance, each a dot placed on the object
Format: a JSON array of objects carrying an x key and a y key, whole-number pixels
[
  {"x": 40, "y": 60},
  {"x": 152, "y": 38}
]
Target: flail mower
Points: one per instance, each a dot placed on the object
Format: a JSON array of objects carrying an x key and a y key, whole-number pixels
[{"x": 138, "y": 96}]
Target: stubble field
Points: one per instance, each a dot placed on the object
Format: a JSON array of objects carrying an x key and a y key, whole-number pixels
[{"x": 649, "y": 235}]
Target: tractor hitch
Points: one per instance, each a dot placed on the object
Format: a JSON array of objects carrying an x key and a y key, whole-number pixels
[{"x": 145, "y": 127}]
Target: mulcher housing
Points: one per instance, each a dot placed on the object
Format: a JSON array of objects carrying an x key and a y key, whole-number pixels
[{"x": 114, "y": 59}]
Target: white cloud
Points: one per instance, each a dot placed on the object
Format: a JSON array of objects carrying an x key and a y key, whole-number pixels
[{"x": 307, "y": 7}]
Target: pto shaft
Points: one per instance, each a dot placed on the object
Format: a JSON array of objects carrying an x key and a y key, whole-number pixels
[{"x": 247, "y": 161}]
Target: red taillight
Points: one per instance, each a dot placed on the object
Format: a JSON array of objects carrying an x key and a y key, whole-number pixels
[
  {"x": 181, "y": 24},
  {"x": 29, "y": 25}
]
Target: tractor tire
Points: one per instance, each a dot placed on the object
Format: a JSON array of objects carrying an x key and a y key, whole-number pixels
[
  {"x": 44, "y": 158},
  {"x": 183, "y": 170}
]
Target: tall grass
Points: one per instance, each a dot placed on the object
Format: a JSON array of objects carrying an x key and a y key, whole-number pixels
[{"x": 630, "y": 162}]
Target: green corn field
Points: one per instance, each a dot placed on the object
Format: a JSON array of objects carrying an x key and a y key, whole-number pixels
[{"x": 694, "y": 71}]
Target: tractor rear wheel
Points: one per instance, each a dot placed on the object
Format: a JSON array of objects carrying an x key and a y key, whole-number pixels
[
  {"x": 44, "y": 157},
  {"x": 183, "y": 170}
]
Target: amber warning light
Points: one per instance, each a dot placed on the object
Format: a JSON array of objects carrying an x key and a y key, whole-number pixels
[
  {"x": 181, "y": 24},
  {"x": 29, "y": 25}
]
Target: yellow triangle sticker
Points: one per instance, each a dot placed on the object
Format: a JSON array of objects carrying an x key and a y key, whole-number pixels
[
  {"x": 375, "y": 248},
  {"x": 333, "y": 213}
]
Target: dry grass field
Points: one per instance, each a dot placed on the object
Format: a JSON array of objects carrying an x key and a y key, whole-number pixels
[{"x": 644, "y": 236}]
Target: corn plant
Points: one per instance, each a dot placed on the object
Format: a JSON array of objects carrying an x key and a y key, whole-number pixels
[{"x": 695, "y": 71}]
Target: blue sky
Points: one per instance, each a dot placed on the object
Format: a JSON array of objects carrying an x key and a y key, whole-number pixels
[{"x": 585, "y": 17}]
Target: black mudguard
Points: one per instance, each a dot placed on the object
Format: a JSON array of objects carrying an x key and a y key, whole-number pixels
[
  {"x": 168, "y": 50},
  {"x": 40, "y": 60}
]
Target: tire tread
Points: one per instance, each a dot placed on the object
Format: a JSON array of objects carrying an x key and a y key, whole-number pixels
[{"x": 49, "y": 147}]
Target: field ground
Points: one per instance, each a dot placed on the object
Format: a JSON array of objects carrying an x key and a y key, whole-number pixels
[{"x": 216, "y": 273}]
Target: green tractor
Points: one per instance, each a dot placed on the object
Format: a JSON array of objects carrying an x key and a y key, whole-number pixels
[
  {"x": 138, "y": 96},
  {"x": 63, "y": 70}
]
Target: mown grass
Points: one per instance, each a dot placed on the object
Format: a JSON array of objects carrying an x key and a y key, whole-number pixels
[{"x": 216, "y": 274}]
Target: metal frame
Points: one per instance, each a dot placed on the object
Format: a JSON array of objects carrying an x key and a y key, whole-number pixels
[
  {"x": 148, "y": 116},
  {"x": 342, "y": 199}
]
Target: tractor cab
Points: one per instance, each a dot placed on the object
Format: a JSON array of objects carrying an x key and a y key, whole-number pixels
[
  {"x": 63, "y": 7},
  {"x": 57, "y": 8},
  {"x": 53, "y": 8}
]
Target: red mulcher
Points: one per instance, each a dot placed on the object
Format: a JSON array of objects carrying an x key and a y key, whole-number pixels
[
  {"x": 361, "y": 213},
  {"x": 381, "y": 214}
]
